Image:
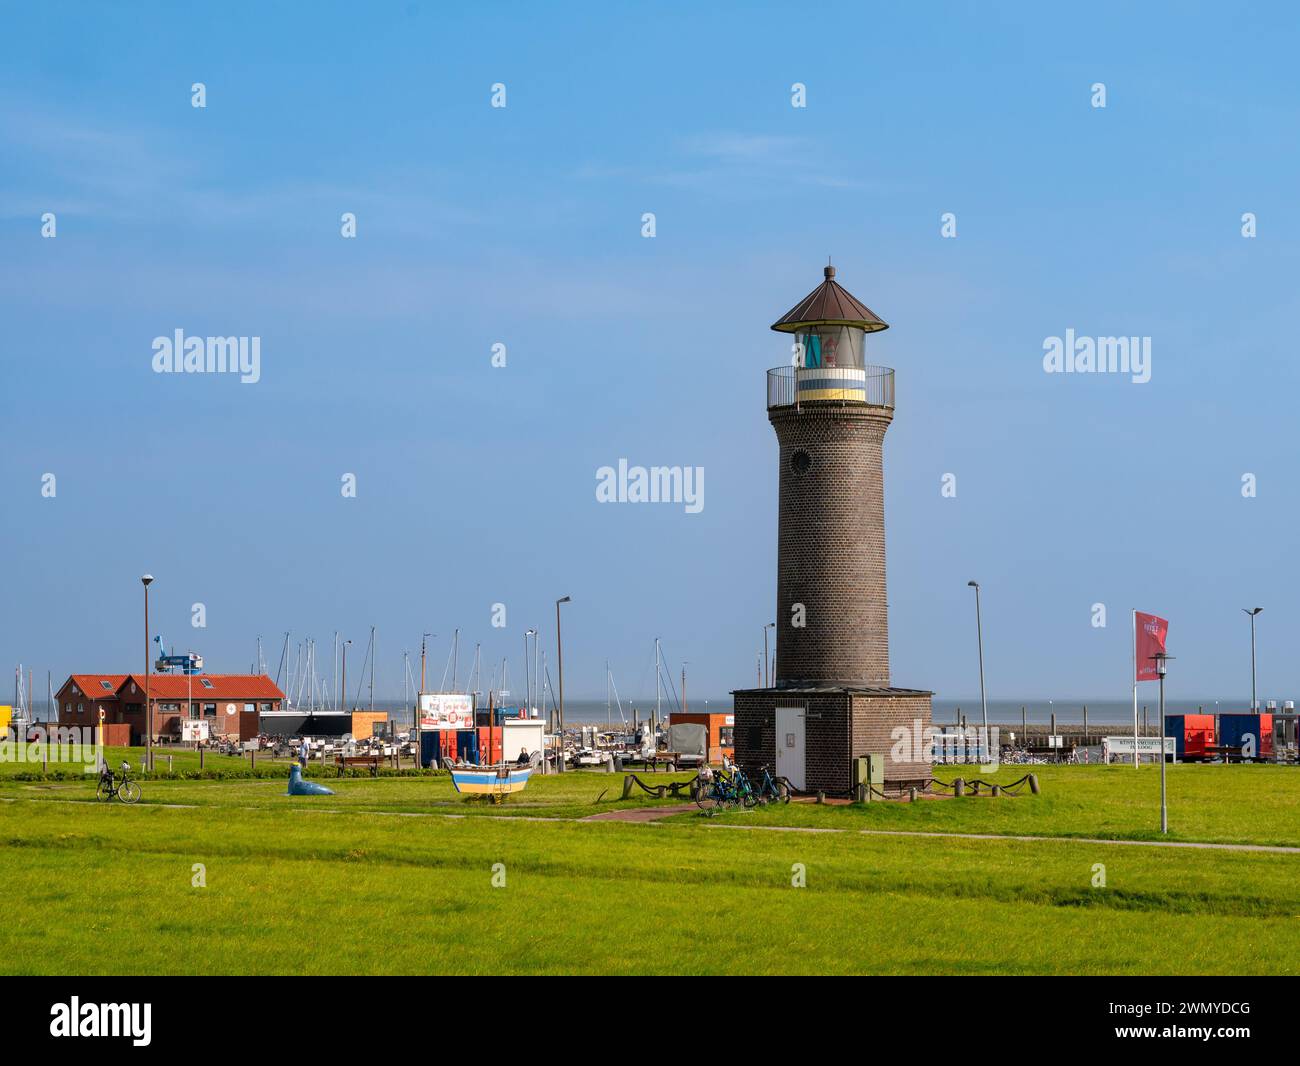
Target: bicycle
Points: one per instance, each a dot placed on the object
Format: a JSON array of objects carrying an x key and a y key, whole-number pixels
[
  {"x": 123, "y": 788},
  {"x": 772, "y": 790},
  {"x": 718, "y": 788}
]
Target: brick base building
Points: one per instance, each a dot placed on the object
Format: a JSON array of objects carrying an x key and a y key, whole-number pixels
[{"x": 820, "y": 731}]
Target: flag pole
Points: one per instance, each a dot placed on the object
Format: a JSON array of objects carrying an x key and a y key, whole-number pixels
[{"x": 1135, "y": 690}]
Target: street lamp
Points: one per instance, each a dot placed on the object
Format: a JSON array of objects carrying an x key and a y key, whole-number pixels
[
  {"x": 146, "y": 581},
  {"x": 979, "y": 636},
  {"x": 559, "y": 648},
  {"x": 1254, "y": 704},
  {"x": 767, "y": 680},
  {"x": 1160, "y": 659}
]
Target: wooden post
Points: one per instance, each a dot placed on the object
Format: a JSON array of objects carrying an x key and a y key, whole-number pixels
[
  {"x": 627, "y": 786},
  {"x": 959, "y": 786},
  {"x": 911, "y": 794},
  {"x": 996, "y": 790},
  {"x": 1033, "y": 784},
  {"x": 201, "y": 750},
  {"x": 252, "y": 758}
]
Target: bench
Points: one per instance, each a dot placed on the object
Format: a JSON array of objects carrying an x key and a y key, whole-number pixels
[{"x": 373, "y": 761}]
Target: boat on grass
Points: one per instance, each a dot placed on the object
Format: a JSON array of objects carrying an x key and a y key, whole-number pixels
[{"x": 494, "y": 781}]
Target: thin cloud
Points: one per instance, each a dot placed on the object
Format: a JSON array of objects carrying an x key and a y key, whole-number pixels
[{"x": 728, "y": 160}]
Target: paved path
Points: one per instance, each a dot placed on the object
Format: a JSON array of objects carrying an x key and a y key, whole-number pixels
[
  {"x": 640, "y": 814},
  {"x": 651, "y": 815}
]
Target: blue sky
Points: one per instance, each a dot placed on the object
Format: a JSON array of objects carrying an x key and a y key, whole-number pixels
[{"x": 522, "y": 225}]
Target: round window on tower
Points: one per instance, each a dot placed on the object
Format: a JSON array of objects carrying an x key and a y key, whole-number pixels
[{"x": 801, "y": 462}]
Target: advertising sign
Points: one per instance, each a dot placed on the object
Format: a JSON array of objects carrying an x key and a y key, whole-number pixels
[
  {"x": 194, "y": 730},
  {"x": 446, "y": 710}
]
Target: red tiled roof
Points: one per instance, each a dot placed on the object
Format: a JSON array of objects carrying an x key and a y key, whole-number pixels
[
  {"x": 89, "y": 685},
  {"x": 223, "y": 686}
]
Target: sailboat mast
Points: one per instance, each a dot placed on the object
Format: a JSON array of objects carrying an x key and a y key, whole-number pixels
[{"x": 658, "y": 685}]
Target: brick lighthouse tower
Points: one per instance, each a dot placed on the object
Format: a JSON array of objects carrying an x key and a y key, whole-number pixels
[{"x": 831, "y": 699}]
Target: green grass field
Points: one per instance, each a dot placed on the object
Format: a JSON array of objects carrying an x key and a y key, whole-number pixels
[{"x": 388, "y": 876}]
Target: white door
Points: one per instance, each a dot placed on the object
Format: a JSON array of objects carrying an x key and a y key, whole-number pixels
[{"x": 791, "y": 757}]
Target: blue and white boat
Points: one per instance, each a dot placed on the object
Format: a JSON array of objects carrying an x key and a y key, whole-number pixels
[
  {"x": 492, "y": 781},
  {"x": 496, "y": 781}
]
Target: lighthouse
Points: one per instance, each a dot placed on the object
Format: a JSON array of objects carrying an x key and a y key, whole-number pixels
[{"x": 830, "y": 699}]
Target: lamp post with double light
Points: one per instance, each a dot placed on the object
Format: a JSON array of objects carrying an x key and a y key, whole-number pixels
[{"x": 979, "y": 636}]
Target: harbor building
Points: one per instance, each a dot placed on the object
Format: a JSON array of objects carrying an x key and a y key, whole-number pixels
[
  {"x": 832, "y": 698},
  {"x": 231, "y": 704}
]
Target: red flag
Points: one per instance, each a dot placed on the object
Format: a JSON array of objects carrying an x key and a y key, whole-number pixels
[{"x": 1149, "y": 641}]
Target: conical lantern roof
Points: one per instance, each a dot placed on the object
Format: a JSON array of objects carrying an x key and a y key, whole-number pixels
[{"x": 830, "y": 304}]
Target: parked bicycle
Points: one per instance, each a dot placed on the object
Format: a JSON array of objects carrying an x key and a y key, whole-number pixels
[
  {"x": 724, "y": 788},
  {"x": 772, "y": 790},
  {"x": 122, "y": 787}
]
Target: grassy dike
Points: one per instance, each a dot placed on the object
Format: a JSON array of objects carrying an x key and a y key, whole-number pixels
[{"x": 379, "y": 879}]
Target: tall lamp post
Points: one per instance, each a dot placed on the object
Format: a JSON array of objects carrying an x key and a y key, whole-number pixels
[
  {"x": 1160, "y": 659},
  {"x": 146, "y": 581},
  {"x": 559, "y": 649},
  {"x": 979, "y": 636},
  {"x": 1254, "y": 703},
  {"x": 767, "y": 677}
]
